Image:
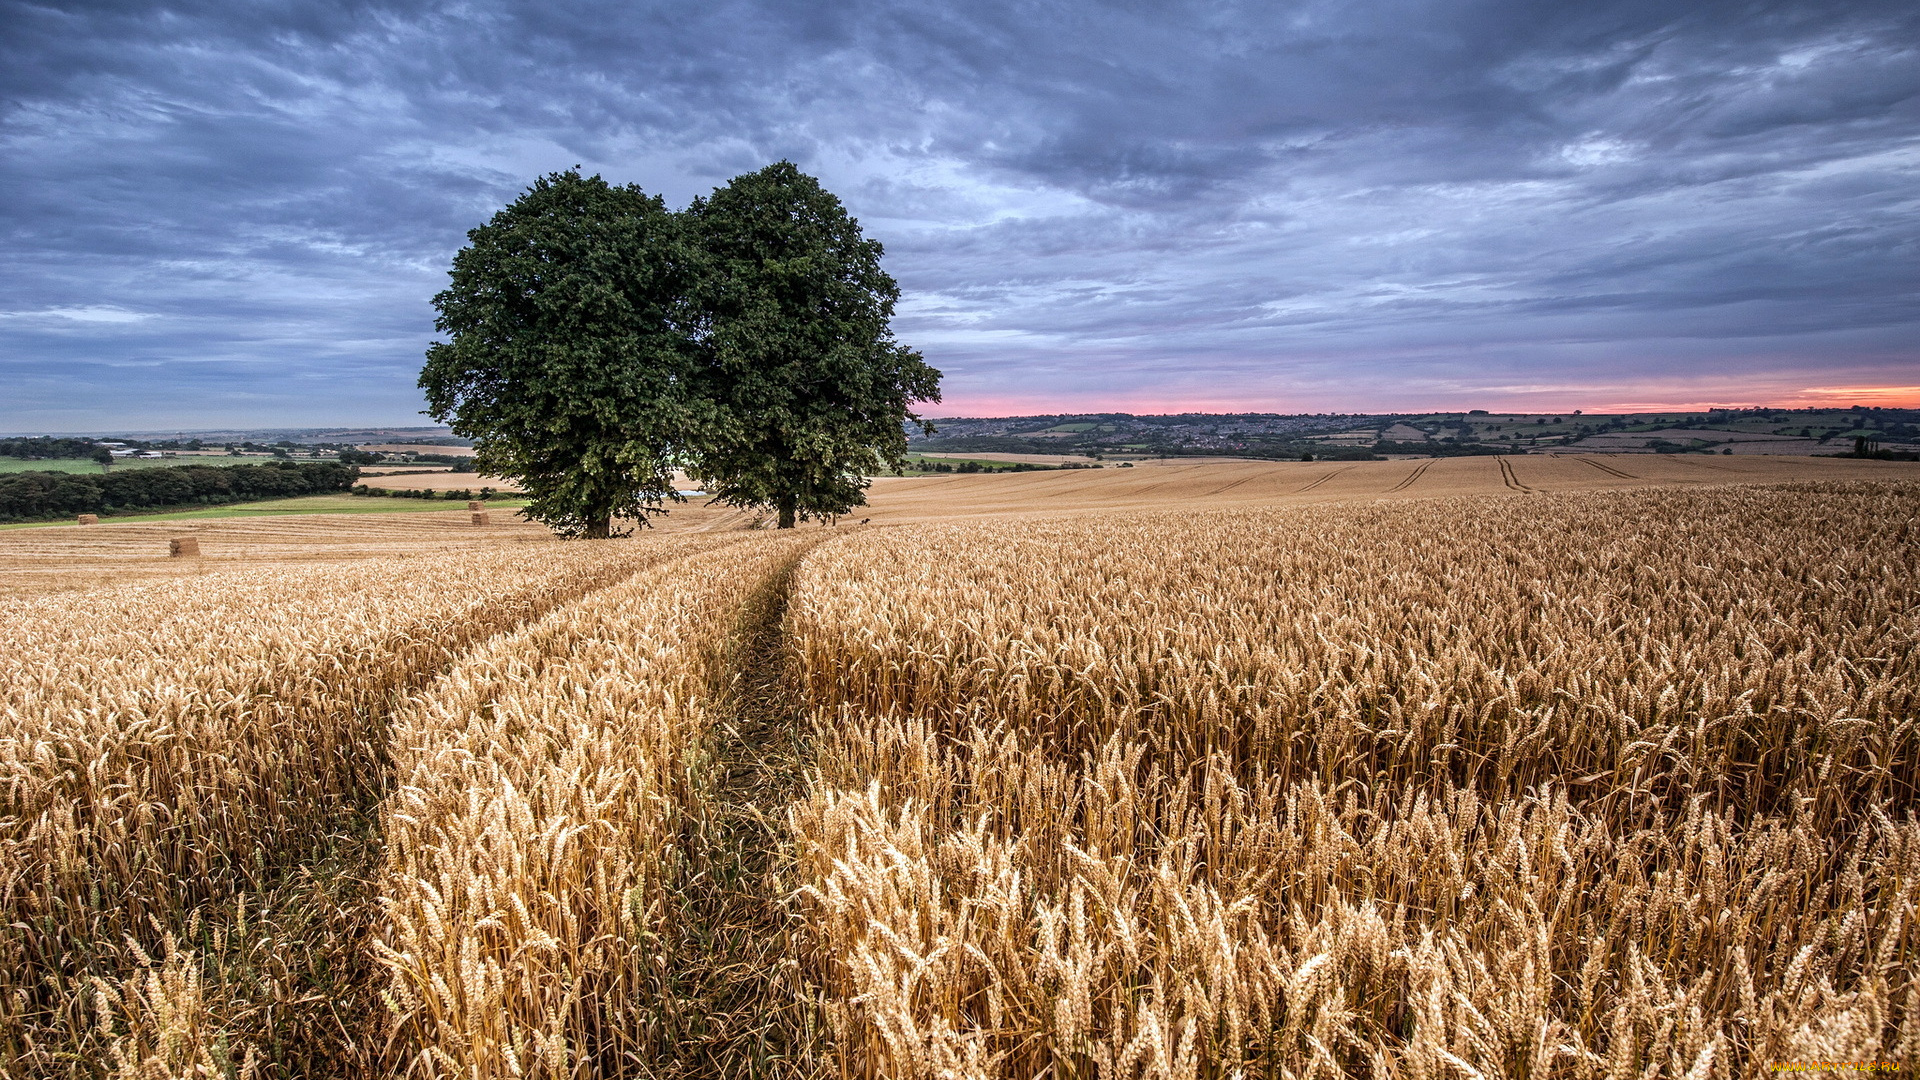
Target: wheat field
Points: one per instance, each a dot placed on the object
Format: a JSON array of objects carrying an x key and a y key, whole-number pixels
[
  {"x": 1614, "y": 785},
  {"x": 171, "y": 752},
  {"x": 1615, "y": 780},
  {"x": 35, "y": 560}
]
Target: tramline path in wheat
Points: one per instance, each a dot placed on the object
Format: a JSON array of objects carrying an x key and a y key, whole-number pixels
[
  {"x": 1411, "y": 478},
  {"x": 202, "y": 808},
  {"x": 1609, "y": 470}
]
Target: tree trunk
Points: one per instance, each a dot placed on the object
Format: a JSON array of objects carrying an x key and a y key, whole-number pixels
[
  {"x": 788, "y": 503},
  {"x": 600, "y": 528}
]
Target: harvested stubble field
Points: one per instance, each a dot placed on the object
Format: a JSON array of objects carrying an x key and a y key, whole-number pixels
[{"x": 1601, "y": 783}]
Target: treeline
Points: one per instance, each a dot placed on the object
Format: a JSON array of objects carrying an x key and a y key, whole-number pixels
[
  {"x": 1870, "y": 448},
  {"x": 46, "y": 448},
  {"x": 41, "y": 496},
  {"x": 428, "y": 493}
]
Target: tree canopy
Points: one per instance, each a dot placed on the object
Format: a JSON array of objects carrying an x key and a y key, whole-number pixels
[
  {"x": 598, "y": 341},
  {"x": 813, "y": 393},
  {"x": 568, "y": 363}
]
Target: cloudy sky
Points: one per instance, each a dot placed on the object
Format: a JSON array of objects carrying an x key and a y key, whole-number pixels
[{"x": 220, "y": 212}]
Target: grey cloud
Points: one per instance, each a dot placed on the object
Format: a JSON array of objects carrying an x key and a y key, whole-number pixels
[{"x": 1298, "y": 201}]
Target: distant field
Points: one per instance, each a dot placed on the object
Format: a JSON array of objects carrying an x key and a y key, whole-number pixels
[
  {"x": 291, "y": 532},
  {"x": 305, "y": 504},
  {"x": 1170, "y": 483},
  {"x": 412, "y": 448},
  {"x": 1739, "y": 442},
  {"x": 1176, "y": 483},
  {"x": 82, "y": 465},
  {"x": 338, "y": 526},
  {"x": 438, "y": 481},
  {"x": 1001, "y": 459},
  {"x": 57, "y": 556},
  {"x": 323, "y": 504}
]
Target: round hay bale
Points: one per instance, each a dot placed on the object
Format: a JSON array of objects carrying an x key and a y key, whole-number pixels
[
  {"x": 181, "y": 546},
  {"x": 89, "y": 519}
]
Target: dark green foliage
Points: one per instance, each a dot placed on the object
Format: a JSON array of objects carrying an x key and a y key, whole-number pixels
[
  {"x": 47, "y": 448},
  {"x": 358, "y": 457},
  {"x": 813, "y": 393},
  {"x": 567, "y": 362},
  {"x": 1865, "y": 447},
  {"x": 597, "y": 340},
  {"x": 38, "y": 496}
]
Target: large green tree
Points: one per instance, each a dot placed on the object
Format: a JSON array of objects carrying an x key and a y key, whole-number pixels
[
  {"x": 812, "y": 392},
  {"x": 568, "y": 360}
]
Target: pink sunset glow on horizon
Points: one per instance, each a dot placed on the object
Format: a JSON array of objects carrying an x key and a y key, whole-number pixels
[{"x": 1043, "y": 404}]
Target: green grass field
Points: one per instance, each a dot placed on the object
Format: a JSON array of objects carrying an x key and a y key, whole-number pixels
[
  {"x": 917, "y": 464},
  {"x": 92, "y": 468},
  {"x": 304, "y": 504}
]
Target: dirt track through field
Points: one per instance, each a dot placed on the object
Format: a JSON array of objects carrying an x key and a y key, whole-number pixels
[
  {"x": 346, "y": 873},
  {"x": 1322, "y": 480},
  {"x": 314, "y": 1011},
  {"x": 1610, "y": 470},
  {"x": 1507, "y": 475},
  {"x": 1411, "y": 478},
  {"x": 740, "y": 1003},
  {"x": 1228, "y": 486}
]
